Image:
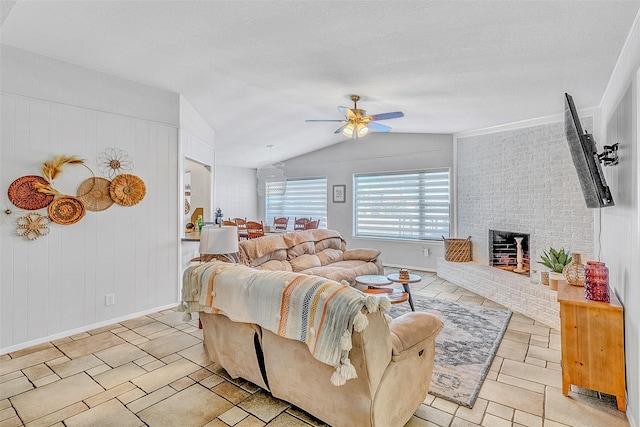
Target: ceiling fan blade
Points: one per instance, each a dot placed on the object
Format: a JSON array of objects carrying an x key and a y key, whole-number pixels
[
  {"x": 387, "y": 116},
  {"x": 377, "y": 127},
  {"x": 339, "y": 130},
  {"x": 321, "y": 120},
  {"x": 343, "y": 110}
]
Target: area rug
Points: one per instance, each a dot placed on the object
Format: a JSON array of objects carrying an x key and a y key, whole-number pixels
[{"x": 465, "y": 347}]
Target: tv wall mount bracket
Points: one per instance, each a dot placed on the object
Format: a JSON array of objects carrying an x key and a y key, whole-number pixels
[{"x": 609, "y": 157}]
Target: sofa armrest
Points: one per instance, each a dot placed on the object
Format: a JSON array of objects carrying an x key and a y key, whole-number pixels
[
  {"x": 361, "y": 254},
  {"x": 411, "y": 331}
]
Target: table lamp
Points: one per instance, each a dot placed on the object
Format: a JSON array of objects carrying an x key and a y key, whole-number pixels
[{"x": 216, "y": 240}]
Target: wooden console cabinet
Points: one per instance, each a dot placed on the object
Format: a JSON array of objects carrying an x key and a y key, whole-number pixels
[{"x": 592, "y": 343}]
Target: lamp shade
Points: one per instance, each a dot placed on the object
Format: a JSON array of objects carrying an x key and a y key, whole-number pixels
[
  {"x": 362, "y": 129},
  {"x": 218, "y": 240},
  {"x": 348, "y": 130}
]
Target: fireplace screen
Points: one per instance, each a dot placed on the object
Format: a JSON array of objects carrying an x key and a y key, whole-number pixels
[{"x": 509, "y": 251}]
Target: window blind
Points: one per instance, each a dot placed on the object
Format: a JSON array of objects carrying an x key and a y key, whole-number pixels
[
  {"x": 402, "y": 205},
  {"x": 304, "y": 198}
]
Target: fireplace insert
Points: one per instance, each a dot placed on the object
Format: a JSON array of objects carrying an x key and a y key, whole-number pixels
[{"x": 504, "y": 251}]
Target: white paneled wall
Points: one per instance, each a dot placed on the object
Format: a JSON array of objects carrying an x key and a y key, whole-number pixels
[
  {"x": 236, "y": 193},
  {"x": 58, "y": 283},
  {"x": 620, "y": 111}
]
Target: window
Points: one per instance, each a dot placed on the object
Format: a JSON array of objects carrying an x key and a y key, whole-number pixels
[
  {"x": 403, "y": 205},
  {"x": 304, "y": 198}
]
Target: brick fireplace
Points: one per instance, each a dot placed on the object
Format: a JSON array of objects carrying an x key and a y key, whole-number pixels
[{"x": 510, "y": 178}]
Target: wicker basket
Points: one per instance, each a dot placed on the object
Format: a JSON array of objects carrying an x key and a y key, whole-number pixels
[{"x": 457, "y": 250}]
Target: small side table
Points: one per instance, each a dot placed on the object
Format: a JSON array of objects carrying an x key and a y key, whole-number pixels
[
  {"x": 396, "y": 296},
  {"x": 373, "y": 281},
  {"x": 377, "y": 285},
  {"x": 413, "y": 278}
]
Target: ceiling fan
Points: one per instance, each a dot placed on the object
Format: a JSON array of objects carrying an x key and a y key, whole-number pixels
[{"x": 357, "y": 123}]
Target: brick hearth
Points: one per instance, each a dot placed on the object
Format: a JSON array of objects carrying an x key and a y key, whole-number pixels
[{"x": 515, "y": 292}]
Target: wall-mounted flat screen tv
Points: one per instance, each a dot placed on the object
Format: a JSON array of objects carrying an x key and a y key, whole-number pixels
[{"x": 584, "y": 153}]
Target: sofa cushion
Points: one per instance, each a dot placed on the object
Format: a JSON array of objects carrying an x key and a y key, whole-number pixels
[
  {"x": 254, "y": 249},
  {"x": 277, "y": 255},
  {"x": 316, "y": 238},
  {"x": 344, "y": 270},
  {"x": 275, "y": 265},
  {"x": 301, "y": 249},
  {"x": 328, "y": 256},
  {"x": 359, "y": 266},
  {"x": 361, "y": 254},
  {"x": 304, "y": 262},
  {"x": 315, "y": 235},
  {"x": 329, "y": 243}
]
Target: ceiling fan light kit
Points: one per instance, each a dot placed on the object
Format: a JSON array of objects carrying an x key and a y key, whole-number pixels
[
  {"x": 358, "y": 124},
  {"x": 355, "y": 130}
]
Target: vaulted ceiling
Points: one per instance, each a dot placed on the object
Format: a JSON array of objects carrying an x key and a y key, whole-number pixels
[{"x": 255, "y": 70}]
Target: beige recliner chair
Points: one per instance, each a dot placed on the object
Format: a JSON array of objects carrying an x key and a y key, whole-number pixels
[{"x": 393, "y": 362}]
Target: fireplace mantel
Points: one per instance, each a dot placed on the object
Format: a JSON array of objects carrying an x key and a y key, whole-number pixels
[{"x": 515, "y": 292}]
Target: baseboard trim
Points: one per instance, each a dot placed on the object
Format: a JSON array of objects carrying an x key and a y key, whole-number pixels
[
  {"x": 632, "y": 421},
  {"x": 86, "y": 328}
]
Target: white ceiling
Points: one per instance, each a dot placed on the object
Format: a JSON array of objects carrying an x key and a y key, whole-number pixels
[{"x": 255, "y": 70}]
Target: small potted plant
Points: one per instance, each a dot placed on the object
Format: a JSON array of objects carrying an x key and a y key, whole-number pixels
[{"x": 555, "y": 261}]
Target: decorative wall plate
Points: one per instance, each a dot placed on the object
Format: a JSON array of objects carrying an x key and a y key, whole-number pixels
[
  {"x": 94, "y": 193},
  {"x": 24, "y": 195},
  {"x": 66, "y": 210},
  {"x": 33, "y": 225},
  {"x": 113, "y": 161},
  {"x": 127, "y": 189}
]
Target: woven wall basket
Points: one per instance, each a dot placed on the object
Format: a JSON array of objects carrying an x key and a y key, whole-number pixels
[
  {"x": 94, "y": 193},
  {"x": 66, "y": 210},
  {"x": 127, "y": 190},
  {"x": 457, "y": 250},
  {"x": 24, "y": 195}
]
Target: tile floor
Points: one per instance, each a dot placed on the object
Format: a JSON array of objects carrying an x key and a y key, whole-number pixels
[{"x": 143, "y": 371}]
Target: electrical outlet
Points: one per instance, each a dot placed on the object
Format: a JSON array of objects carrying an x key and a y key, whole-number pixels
[
  {"x": 109, "y": 299},
  {"x": 425, "y": 252}
]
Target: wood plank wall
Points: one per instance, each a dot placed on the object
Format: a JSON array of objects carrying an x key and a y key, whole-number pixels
[{"x": 58, "y": 283}]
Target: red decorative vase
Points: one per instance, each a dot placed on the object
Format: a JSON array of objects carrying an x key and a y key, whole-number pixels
[{"x": 596, "y": 281}]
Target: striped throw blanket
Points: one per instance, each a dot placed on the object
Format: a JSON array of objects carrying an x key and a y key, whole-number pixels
[{"x": 314, "y": 310}]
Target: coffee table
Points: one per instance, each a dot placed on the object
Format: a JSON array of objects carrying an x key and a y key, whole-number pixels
[
  {"x": 373, "y": 280},
  {"x": 413, "y": 278},
  {"x": 377, "y": 285}
]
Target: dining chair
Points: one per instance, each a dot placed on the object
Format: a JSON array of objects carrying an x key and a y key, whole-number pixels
[
  {"x": 254, "y": 229},
  {"x": 300, "y": 223},
  {"x": 241, "y": 223},
  {"x": 312, "y": 225},
  {"x": 281, "y": 223}
]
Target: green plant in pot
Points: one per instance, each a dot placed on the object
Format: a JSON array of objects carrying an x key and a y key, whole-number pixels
[{"x": 555, "y": 260}]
